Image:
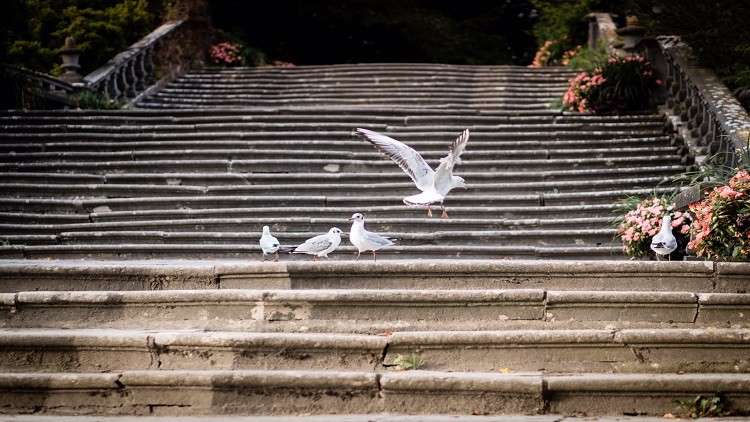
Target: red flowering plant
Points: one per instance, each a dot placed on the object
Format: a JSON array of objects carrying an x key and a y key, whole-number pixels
[
  {"x": 722, "y": 221},
  {"x": 226, "y": 53},
  {"x": 623, "y": 84},
  {"x": 642, "y": 221}
]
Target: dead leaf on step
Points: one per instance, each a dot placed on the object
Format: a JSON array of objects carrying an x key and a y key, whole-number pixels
[
  {"x": 505, "y": 370},
  {"x": 669, "y": 416},
  {"x": 384, "y": 334}
]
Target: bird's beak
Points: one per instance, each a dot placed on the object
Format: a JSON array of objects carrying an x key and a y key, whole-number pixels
[{"x": 350, "y": 219}]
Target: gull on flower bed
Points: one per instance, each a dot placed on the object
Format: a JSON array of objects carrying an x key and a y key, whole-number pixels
[{"x": 641, "y": 222}]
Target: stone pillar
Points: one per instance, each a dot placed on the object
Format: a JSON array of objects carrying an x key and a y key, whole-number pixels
[
  {"x": 632, "y": 34},
  {"x": 70, "y": 55}
]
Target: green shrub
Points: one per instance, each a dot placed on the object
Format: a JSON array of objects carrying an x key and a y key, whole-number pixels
[
  {"x": 89, "y": 100},
  {"x": 588, "y": 59},
  {"x": 101, "y": 28},
  {"x": 623, "y": 84}
]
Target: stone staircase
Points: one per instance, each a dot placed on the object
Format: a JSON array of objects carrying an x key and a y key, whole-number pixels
[
  {"x": 168, "y": 338},
  {"x": 200, "y": 166},
  {"x": 191, "y": 175}
]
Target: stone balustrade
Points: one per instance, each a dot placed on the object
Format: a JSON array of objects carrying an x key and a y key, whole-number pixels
[{"x": 132, "y": 71}]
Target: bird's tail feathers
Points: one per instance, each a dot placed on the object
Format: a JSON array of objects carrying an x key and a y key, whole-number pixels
[{"x": 287, "y": 249}]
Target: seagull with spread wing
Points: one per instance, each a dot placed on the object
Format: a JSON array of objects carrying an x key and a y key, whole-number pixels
[{"x": 434, "y": 184}]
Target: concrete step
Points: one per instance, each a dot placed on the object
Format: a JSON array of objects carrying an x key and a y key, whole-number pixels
[
  {"x": 344, "y": 189},
  {"x": 550, "y": 136},
  {"x": 350, "y": 392},
  {"x": 562, "y": 146},
  {"x": 233, "y": 307},
  {"x": 208, "y": 179},
  {"x": 702, "y": 350},
  {"x": 432, "y": 155},
  {"x": 130, "y": 202},
  {"x": 414, "y": 228},
  {"x": 389, "y": 417},
  {"x": 391, "y": 128},
  {"x": 250, "y": 251},
  {"x": 178, "y": 234},
  {"x": 334, "y": 165},
  {"x": 691, "y": 276},
  {"x": 264, "y": 115}
]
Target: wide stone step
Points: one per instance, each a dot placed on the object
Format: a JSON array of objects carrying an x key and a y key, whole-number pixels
[
  {"x": 25, "y": 275},
  {"x": 181, "y": 392},
  {"x": 176, "y": 233},
  {"x": 299, "y": 201},
  {"x": 390, "y": 128},
  {"x": 343, "y": 189},
  {"x": 334, "y": 165},
  {"x": 432, "y": 156},
  {"x": 233, "y": 307},
  {"x": 408, "y": 137},
  {"x": 699, "y": 350},
  {"x": 248, "y": 226},
  {"x": 238, "y": 178},
  {"x": 156, "y": 117},
  {"x": 179, "y": 102},
  {"x": 562, "y": 146},
  {"x": 131, "y": 251}
]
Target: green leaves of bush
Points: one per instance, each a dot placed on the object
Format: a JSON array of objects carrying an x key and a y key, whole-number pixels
[{"x": 101, "y": 29}]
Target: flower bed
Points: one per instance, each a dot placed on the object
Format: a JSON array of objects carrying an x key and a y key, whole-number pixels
[
  {"x": 226, "y": 53},
  {"x": 722, "y": 221},
  {"x": 623, "y": 84},
  {"x": 642, "y": 222}
]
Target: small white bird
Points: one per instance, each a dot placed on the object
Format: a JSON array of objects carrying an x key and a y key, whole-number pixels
[
  {"x": 321, "y": 245},
  {"x": 664, "y": 243},
  {"x": 434, "y": 184},
  {"x": 270, "y": 245},
  {"x": 365, "y": 240}
]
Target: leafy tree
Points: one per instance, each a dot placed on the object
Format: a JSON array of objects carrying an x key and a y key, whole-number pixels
[{"x": 102, "y": 28}]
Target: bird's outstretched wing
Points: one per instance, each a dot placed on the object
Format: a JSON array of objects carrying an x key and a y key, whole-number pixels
[
  {"x": 444, "y": 172},
  {"x": 315, "y": 244},
  {"x": 406, "y": 157}
]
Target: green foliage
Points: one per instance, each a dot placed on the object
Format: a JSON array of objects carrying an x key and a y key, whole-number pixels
[
  {"x": 412, "y": 361},
  {"x": 561, "y": 21},
  {"x": 714, "y": 171},
  {"x": 705, "y": 406},
  {"x": 718, "y": 31},
  {"x": 101, "y": 28},
  {"x": 587, "y": 59},
  {"x": 93, "y": 101}
]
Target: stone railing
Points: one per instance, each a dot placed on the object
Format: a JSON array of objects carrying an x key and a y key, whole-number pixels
[
  {"x": 33, "y": 88},
  {"x": 132, "y": 71},
  {"x": 122, "y": 80},
  {"x": 714, "y": 124}
]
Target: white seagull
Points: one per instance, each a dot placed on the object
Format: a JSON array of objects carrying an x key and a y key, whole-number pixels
[
  {"x": 270, "y": 245},
  {"x": 321, "y": 245},
  {"x": 434, "y": 184},
  {"x": 664, "y": 243},
  {"x": 365, "y": 240}
]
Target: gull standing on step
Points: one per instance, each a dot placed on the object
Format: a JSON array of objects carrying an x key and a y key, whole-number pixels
[
  {"x": 270, "y": 245},
  {"x": 664, "y": 243},
  {"x": 365, "y": 240},
  {"x": 321, "y": 245},
  {"x": 434, "y": 184}
]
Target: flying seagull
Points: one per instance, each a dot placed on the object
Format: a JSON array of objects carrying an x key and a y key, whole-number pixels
[
  {"x": 270, "y": 245},
  {"x": 664, "y": 243},
  {"x": 434, "y": 184},
  {"x": 365, "y": 240},
  {"x": 321, "y": 245}
]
